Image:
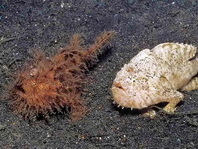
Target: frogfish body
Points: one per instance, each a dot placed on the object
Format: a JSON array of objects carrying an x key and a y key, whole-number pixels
[{"x": 157, "y": 75}]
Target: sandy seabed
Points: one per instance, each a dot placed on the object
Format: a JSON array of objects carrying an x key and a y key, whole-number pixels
[{"x": 48, "y": 25}]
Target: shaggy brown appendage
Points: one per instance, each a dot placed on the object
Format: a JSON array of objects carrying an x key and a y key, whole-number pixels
[{"x": 50, "y": 84}]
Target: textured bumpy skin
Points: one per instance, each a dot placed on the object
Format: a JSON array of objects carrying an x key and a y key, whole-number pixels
[{"x": 156, "y": 75}]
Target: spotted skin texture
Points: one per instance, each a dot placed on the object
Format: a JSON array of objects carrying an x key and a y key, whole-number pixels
[{"x": 157, "y": 75}]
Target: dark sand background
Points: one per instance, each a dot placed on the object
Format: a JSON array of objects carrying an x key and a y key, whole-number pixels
[{"x": 48, "y": 24}]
